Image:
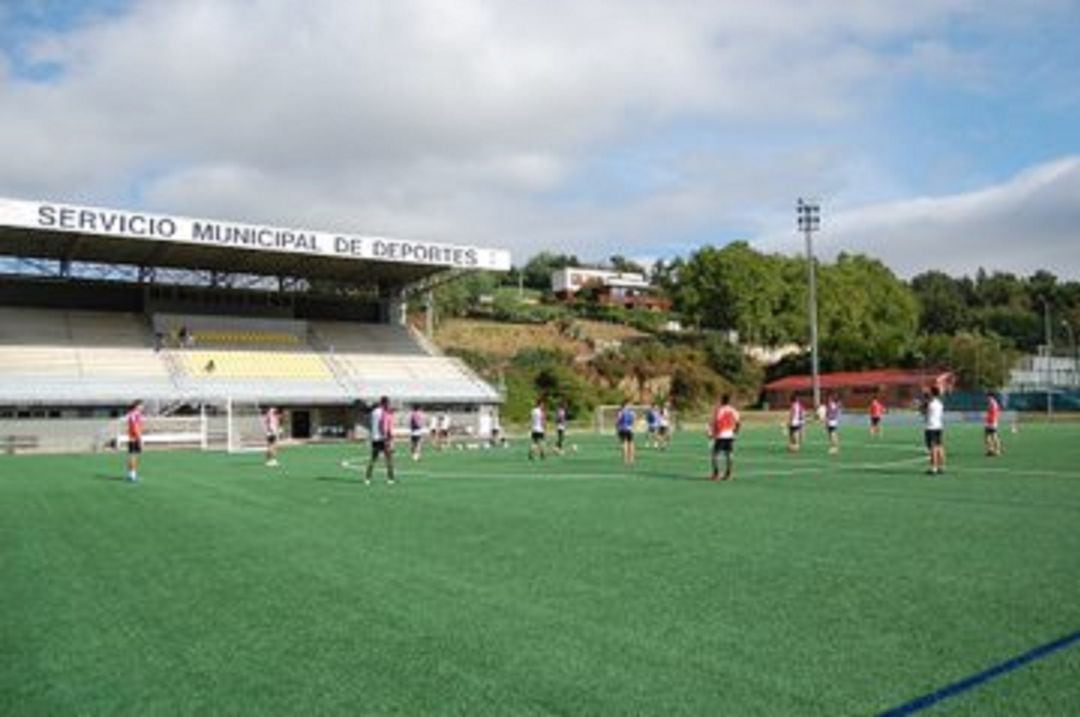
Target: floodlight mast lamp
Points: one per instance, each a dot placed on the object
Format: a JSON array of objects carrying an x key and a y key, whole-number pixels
[{"x": 809, "y": 221}]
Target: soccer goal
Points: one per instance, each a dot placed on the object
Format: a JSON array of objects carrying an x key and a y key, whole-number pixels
[
  {"x": 604, "y": 417},
  {"x": 244, "y": 428},
  {"x": 188, "y": 431}
]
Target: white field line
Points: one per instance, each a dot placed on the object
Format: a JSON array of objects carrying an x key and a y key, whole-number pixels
[
  {"x": 747, "y": 473},
  {"x": 1026, "y": 471}
]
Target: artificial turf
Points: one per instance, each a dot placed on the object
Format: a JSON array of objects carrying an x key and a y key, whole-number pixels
[{"x": 485, "y": 584}]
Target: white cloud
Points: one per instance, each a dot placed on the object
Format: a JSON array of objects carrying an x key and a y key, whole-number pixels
[
  {"x": 1030, "y": 222},
  {"x": 463, "y": 121}
]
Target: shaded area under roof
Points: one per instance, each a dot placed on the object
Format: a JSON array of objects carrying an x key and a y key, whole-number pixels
[{"x": 70, "y": 246}]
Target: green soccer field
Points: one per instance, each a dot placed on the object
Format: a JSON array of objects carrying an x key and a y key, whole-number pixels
[{"x": 486, "y": 584}]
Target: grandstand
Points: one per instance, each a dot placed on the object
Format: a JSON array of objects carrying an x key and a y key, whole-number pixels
[{"x": 197, "y": 316}]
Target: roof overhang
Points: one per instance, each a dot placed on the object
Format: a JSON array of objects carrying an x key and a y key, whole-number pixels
[{"x": 66, "y": 232}]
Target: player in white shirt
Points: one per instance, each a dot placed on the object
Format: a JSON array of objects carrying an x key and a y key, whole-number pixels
[
  {"x": 382, "y": 440},
  {"x": 272, "y": 426},
  {"x": 663, "y": 427},
  {"x": 796, "y": 419},
  {"x": 537, "y": 425},
  {"x": 832, "y": 423},
  {"x": 935, "y": 428},
  {"x": 444, "y": 430}
]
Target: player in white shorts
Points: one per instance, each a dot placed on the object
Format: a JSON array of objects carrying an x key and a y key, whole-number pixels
[{"x": 537, "y": 424}]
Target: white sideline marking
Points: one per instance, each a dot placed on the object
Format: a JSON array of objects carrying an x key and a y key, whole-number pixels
[
  {"x": 1025, "y": 471},
  {"x": 816, "y": 467}
]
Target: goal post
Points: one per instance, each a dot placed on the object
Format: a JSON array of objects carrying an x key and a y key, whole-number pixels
[
  {"x": 604, "y": 417},
  {"x": 244, "y": 429}
]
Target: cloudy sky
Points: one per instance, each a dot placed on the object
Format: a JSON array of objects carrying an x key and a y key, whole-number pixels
[{"x": 935, "y": 133}]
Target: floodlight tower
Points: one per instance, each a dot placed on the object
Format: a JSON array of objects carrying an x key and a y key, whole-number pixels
[{"x": 809, "y": 221}]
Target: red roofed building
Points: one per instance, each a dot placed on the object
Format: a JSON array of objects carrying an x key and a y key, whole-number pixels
[{"x": 896, "y": 387}]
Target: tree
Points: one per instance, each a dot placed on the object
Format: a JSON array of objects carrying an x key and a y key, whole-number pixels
[
  {"x": 458, "y": 296},
  {"x": 622, "y": 264},
  {"x": 537, "y": 272},
  {"x": 868, "y": 317},
  {"x": 734, "y": 288},
  {"x": 978, "y": 361},
  {"x": 943, "y": 308}
]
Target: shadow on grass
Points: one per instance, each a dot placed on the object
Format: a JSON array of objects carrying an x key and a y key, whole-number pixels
[
  {"x": 340, "y": 479},
  {"x": 662, "y": 475},
  {"x": 109, "y": 477}
]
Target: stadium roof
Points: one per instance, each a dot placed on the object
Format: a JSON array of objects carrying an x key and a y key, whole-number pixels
[
  {"x": 848, "y": 379},
  {"x": 66, "y": 232}
]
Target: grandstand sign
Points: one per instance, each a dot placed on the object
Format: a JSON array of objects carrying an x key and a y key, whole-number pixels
[{"x": 69, "y": 218}]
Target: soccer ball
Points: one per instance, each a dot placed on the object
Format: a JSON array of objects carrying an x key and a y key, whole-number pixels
[{"x": 573, "y": 447}]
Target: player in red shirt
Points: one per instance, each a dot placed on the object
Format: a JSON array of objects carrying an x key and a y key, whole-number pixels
[
  {"x": 723, "y": 427},
  {"x": 877, "y": 410},
  {"x": 990, "y": 426},
  {"x": 134, "y": 422}
]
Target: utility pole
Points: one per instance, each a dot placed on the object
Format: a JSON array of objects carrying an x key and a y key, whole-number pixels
[
  {"x": 809, "y": 221},
  {"x": 1072, "y": 344}
]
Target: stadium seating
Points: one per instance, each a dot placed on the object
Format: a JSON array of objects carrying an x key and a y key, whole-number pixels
[
  {"x": 232, "y": 332},
  {"x": 51, "y": 356},
  {"x": 375, "y": 339},
  {"x": 254, "y": 365},
  {"x": 246, "y": 338},
  {"x": 86, "y": 357},
  {"x": 379, "y": 360}
]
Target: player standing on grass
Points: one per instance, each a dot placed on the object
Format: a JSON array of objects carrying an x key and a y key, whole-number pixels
[
  {"x": 537, "y": 424},
  {"x": 796, "y": 418},
  {"x": 652, "y": 424},
  {"x": 560, "y": 427},
  {"x": 832, "y": 423},
  {"x": 444, "y": 430},
  {"x": 990, "y": 426},
  {"x": 272, "y": 427},
  {"x": 935, "y": 427},
  {"x": 723, "y": 427},
  {"x": 382, "y": 440},
  {"x": 663, "y": 426},
  {"x": 624, "y": 429},
  {"x": 134, "y": 423},
  {"x": 877, "y": 410},
  {"x": 416, "y": 432}
]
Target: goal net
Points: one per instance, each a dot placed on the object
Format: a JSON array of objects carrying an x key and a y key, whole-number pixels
[
  {"x": 604, "y": 418},
  {"x": 169, "y": 431},
  {"x": 245, "y": 431}
]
